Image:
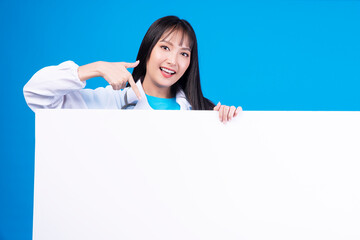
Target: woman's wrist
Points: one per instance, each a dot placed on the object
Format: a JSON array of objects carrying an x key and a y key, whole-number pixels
[{"x": 90, "y": 70}]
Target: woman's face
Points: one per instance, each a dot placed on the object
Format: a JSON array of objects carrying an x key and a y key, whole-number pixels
[{"x": 168, "y": 60}]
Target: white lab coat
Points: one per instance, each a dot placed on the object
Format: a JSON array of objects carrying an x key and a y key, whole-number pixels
[{"x": 60, "y": 87}]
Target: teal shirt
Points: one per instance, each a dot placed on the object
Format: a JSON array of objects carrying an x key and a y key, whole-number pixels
[{"x": 163, "y": 103}]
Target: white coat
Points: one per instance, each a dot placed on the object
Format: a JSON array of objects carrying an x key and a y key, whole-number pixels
[{"x": 60, "y": 87}]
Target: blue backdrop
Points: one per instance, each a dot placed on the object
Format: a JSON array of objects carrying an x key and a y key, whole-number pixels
[{"x": 262, "y": 55}]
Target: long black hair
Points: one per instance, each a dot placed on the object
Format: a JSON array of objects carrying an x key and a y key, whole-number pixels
[{"x": 190, "y": 81}]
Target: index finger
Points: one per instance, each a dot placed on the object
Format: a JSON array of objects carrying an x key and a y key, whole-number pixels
[
  {"x": 134, "y": 87},
  {"x": 131, "y": 65}
]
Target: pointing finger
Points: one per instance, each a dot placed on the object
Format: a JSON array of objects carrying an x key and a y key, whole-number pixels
[
  {"x": 134, "y": 87},
  {"x": 131, "y": 65}
]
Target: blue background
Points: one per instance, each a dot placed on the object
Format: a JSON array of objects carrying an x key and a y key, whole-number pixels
[{"x": 262, "y": 55}]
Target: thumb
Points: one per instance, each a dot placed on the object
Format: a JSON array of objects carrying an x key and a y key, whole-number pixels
[
  {"x": 131, "y": 65},
  {"x": 217, "y": 107}
]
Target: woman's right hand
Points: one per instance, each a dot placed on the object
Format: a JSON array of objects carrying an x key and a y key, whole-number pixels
[{"x": 115, "y": 73}]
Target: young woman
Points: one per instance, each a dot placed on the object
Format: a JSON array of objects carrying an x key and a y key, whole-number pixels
[{"x": 166, "y": 74}]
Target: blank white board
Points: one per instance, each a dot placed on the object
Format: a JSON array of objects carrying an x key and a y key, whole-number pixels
[{"x": 110, "y": 174}]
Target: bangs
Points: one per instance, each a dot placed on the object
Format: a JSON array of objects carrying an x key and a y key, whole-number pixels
[{"x": 184, "y": 31}]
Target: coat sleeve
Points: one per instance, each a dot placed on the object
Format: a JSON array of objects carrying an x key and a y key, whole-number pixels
[{"x": 60, "y": 87}]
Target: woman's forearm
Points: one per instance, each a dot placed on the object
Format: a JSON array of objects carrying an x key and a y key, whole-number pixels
[{"x": 90, "y": 70}]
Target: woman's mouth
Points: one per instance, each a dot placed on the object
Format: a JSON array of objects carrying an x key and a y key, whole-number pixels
[{"x": 167, "y": 72}]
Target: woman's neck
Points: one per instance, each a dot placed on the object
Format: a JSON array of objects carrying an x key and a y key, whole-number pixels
[{"x": 156, "y": 91}]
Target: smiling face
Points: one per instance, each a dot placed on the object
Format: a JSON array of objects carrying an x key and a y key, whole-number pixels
[{"x": 169, "y": 60}]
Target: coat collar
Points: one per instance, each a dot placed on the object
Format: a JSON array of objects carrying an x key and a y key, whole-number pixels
[{"x": 144, "y": 104}]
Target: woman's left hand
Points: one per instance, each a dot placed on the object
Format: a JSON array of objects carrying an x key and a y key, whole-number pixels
[{"x": 226, "y": 113}]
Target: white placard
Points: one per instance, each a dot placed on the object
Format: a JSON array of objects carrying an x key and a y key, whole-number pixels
[{"x": 168, "y": 175}]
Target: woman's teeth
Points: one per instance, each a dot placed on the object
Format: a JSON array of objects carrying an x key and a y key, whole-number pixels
[{"x": 167, "y": 70}]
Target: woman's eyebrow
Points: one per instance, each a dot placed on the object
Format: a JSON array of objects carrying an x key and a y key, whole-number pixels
[{"x": 170, "y": 43}]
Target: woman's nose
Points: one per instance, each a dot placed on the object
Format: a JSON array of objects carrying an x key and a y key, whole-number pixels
[{"x": 171, "y": 58}]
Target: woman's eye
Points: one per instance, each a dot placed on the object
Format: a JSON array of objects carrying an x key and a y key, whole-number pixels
[
  {"x": 165, "y": 47},
  {"x": 185, "y": 54}
]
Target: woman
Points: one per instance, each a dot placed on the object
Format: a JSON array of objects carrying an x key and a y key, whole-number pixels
[{"x": 167, "y": 75}]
